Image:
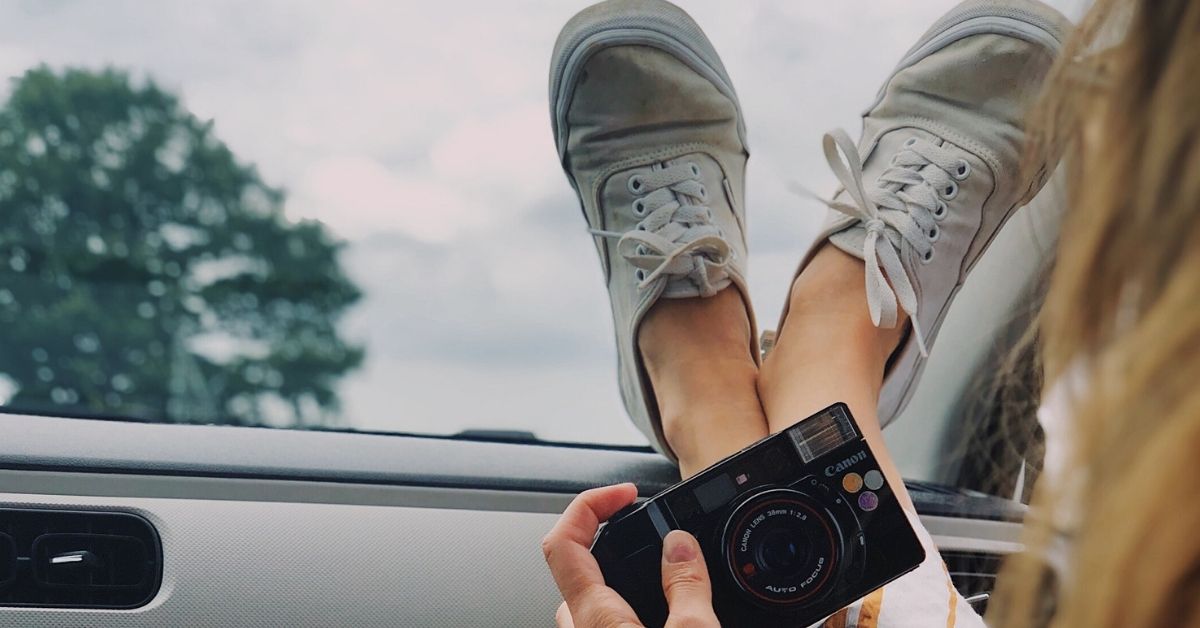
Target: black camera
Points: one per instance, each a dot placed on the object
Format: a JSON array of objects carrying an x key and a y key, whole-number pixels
[{"x": 793, "y": 528}]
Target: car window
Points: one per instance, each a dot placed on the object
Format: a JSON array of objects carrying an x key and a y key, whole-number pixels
[{"x": 351, "y": 215}]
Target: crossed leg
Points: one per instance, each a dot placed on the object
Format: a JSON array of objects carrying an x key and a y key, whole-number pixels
[
  {"x": 696, "y": 352},
  {"x": 713, "y": 398}
]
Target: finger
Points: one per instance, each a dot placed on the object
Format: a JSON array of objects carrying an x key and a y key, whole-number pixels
[
  {"x": 592, "y": 507},
  {"x": 562, "y": 617},
  {"x": 685, "y": 583},
  {"x": 566, "y": 547}
]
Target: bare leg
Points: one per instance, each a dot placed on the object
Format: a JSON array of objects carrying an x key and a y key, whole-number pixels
[
  {"x": 697, "y": 353},
  {"x": 829, "y": 351}
]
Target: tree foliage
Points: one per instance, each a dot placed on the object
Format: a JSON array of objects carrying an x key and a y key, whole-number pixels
[{"x": 146, "y": 273}]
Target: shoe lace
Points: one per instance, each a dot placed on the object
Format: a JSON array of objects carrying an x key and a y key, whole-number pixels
[
  {"x": 908, "y": 200},
  {"x": 676, "y": 238}
]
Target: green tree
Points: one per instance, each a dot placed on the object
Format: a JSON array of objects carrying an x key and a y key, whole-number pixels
[{"x": 146, "y": 273}]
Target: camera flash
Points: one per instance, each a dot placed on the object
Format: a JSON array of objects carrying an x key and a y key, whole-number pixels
[{"x": 741, "y": 479}]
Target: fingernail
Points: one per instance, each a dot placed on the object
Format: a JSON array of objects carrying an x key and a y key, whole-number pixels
[{"x": 679, "y": 547}]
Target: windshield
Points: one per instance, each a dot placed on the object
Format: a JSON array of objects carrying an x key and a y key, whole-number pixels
[{"x": 351, "y": 215}]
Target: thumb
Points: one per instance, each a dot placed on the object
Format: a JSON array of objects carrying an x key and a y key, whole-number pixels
[{"x": 685, "y": 583}]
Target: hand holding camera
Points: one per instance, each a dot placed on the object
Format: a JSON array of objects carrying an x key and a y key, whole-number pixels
[
  {"x": 792, "y": 528},
  {"x": 588, "y": 602}
]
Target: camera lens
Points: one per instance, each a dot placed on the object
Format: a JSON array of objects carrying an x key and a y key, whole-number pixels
[
  {"x": 781, "y": 551},
  {"x": 783, "y": 548}
]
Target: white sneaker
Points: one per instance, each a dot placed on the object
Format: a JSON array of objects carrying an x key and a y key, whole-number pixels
[
  {"x": 650, "y": 134},
  {"x": 937, "y": 171}
]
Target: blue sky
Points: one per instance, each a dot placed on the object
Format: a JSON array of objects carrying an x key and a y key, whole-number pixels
[{"x": 419, "y": 133}]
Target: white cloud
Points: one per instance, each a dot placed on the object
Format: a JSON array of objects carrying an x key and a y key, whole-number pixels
[
  {"x": 507, "y": 157},
  {"x": 482, "y": 171},
  {"x": 358, "y": 196},
  {"x": 14, "y": 60}
]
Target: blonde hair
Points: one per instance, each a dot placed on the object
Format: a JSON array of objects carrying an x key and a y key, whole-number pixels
[{"x": 1122, "y": 315}]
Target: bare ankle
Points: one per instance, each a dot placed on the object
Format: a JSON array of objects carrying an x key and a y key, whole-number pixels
[
  {"x": 689, "y": 330},
  {"x": 714, "y": 413},
  {"x": 698, "y": 355},
  {"x": 828, "y": 301}
]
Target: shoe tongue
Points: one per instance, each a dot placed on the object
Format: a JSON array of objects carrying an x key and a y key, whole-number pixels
[
  {"x": 657, "y": 170},
  {"x": 684, "y": 286},
  {"x": 889, "y": 145},
  {"x": 852, "y": 239}
]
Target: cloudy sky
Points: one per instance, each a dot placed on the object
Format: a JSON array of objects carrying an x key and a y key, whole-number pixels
[{"x": 419, "y": 133}]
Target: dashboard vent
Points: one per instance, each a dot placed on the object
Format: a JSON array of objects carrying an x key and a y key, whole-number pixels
[
  {"x": 66, "y": 558},
  {"x": 974, "y": 574}
]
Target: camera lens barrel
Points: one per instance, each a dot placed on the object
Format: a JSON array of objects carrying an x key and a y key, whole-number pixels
[{"x": 782, "y": 548}]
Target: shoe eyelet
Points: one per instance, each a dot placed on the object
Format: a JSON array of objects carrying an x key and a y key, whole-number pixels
[
  {"x": 694, "y": 168},
  {"x": 703, "y": 193},
  {"x": 962, "y": 171},
  {"x": 949, "y": 192},
  {"x": 639, "y": 207},
  {"x": 940, "y": 212},
  {"x": 933, "y": 234},
  {"x": 640, "y": 274},
  {"x": 908, "y": 143},
  {"x": 635, "y": 184},
  {"x": 927, "y": 257},
  {"x": 640, "y": 250}
]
